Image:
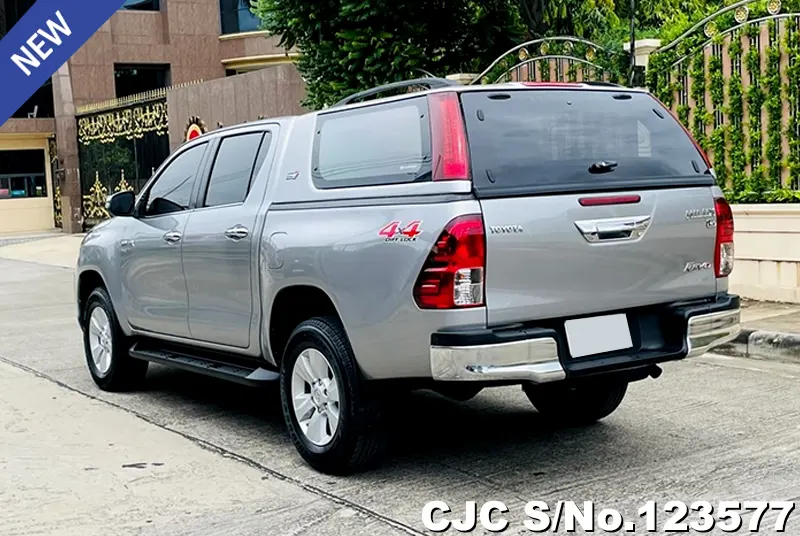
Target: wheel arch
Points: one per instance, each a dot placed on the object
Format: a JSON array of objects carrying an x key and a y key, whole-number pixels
[
  {"x": 292, "y": 305},
  {"x": 88, "y": 281}
]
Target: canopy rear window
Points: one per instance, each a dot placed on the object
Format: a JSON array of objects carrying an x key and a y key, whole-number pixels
[{"x": 572, "y": 140}]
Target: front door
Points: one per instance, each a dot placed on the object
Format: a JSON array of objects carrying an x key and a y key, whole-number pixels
[
  {"x": 221, "y": 240},
  {"x": 154, "y": 286}
]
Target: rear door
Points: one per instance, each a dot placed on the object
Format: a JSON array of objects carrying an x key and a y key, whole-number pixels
[
  {"x": 593, "y": 200},
  {"x": 220, "y": 241}
]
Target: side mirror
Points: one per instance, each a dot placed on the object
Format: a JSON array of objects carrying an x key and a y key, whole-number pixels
[{"x": 121, "y": 203}]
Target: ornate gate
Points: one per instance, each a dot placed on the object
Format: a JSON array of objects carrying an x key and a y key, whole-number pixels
[
  {"x": 557, "y": 59},
  {"x": 120, "y": 143},
  {"x": 734, "y": 80}
]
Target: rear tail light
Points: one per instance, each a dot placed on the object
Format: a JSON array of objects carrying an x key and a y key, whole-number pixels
[
  {"x": 723, "y": 248},
  {"x": 453, "y": 274},
  {"x": 448, "y": 138}
]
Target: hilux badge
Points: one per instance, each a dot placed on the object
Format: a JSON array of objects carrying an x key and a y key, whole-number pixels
[{"x": 698, "y": 213}]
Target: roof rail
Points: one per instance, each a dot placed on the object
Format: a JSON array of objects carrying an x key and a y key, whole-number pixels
[
  {"x": 430, "y": 82},
  {"x": 601, "y": 83}
]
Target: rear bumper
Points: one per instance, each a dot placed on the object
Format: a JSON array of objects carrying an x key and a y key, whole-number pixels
[
  {"x": 539, "y": 353},
  {"x": 705, "y": 331},
  {"x": 529, "y": 360}
]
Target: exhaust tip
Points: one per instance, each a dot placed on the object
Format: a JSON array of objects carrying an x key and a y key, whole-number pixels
[{"x": 655, "y": 371}]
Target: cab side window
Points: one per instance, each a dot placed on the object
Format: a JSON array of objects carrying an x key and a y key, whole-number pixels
[{"x": 172, "y": 191}]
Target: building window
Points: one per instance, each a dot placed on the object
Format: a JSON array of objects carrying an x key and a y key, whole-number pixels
[
  {"x": 22, "y": 174},
  {"x": 141, "y": 5},
  {"x": 39, "y": 105},
  {"x": 10, "y": 13},
  {"x": 235, "y": 72},
  {"x": 236, "y": 17},
  {"x": 134, "y": 79}
]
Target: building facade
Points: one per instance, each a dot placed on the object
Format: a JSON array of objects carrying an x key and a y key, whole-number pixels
[{"x": 146, "y": 47}]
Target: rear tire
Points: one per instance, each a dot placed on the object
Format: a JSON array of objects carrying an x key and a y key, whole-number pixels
[
  {"x": 576, "y": 405},
  {"x": 106, "y": 347},
  {"x": 334, "y": 420}
]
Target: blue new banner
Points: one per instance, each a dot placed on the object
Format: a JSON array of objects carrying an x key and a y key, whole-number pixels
[{"x": 42, "y": 41}]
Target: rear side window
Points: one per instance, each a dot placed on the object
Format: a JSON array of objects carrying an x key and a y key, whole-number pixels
[
  {"x": 376, "y": 145},
  {"x": 233, "y": 169},
  {"x": 566, "y": 140}
]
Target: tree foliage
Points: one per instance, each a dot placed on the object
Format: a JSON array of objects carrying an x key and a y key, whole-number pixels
[
  {"x": 581, "y": 18},
  {"x": 609, "y": 20},
  {"x": 351, "y": 45}
]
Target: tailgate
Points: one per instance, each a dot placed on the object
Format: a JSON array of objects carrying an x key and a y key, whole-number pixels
[
  {"x": 592, "y": 201},
  {"x": 555, "y": 267}
]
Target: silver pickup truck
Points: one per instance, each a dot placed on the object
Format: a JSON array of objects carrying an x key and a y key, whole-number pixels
[{"x": 567, "y": 238}]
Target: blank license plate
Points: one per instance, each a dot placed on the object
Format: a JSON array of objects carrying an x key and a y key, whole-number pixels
[{"x": 598, "y": 334}]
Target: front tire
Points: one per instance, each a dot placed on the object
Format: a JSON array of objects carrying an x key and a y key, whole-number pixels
[
  {"x": 576, "y": 405},
  {"x": 335, "y": 422},
  {"x": 106, "y": 347}
]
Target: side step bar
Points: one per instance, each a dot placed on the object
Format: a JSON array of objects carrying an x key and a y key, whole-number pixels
[{"x": 251, "y": 376}]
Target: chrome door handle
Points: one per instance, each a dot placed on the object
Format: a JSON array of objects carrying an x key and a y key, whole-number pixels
[
  {"x": 613, "y": 229},
  {"x": 172, "y": 237},
  {"x": 237, "y": 233}
]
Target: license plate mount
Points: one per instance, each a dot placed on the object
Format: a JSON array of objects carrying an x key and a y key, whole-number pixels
[{"x": 598, "y": 334}]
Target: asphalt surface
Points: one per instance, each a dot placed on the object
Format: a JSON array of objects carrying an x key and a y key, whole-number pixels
[{"x": 190, "y": 455}]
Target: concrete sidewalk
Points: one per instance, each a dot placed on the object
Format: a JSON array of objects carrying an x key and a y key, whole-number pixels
[
  {"x": 771, "y": 330},
  {"x": 74, "y": 465},
  {"x": 53, "y": 249},
  {"x": 7, "y": 239}
]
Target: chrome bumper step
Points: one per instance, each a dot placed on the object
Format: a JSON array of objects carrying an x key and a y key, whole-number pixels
[{"x": 537, "y": 360}]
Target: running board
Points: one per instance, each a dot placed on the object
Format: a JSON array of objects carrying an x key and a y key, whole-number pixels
[{"x": 252, "y": 376}]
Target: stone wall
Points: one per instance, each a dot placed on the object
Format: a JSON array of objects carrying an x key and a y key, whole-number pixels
[
  {"x": 767, "y": 252},
  {"x": 269, "y": 92}
]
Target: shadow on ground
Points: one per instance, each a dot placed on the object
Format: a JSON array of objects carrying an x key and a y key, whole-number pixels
[{"x": 426, "y": 426}]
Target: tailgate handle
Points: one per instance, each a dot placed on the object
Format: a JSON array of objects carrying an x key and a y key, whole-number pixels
[{"x": 613, "y": 229}]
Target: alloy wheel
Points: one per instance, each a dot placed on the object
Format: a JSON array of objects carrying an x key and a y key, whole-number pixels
[
  {"x": 315, "y": 397},
  {"x": 100, "y": 342}
]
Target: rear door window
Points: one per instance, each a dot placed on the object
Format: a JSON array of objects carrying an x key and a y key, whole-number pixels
[
  {"x": 233, "y": 169},
  {"x": 375, "y": 145},
  {"x": 542, "y": 141}
]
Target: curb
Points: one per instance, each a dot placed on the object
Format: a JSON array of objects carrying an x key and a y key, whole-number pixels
[{"x": 765, "y": 345}]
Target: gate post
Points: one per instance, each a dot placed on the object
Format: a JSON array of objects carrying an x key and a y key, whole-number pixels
[
  {"x": 67, "y": 150},
  {"x": 642, "y": 48}
]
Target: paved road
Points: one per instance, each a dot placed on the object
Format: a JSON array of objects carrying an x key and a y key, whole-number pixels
[{"x": 714, "y": 429}]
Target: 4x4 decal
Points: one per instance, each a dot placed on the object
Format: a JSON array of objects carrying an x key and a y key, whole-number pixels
[{"x": 393, "y": 232}]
